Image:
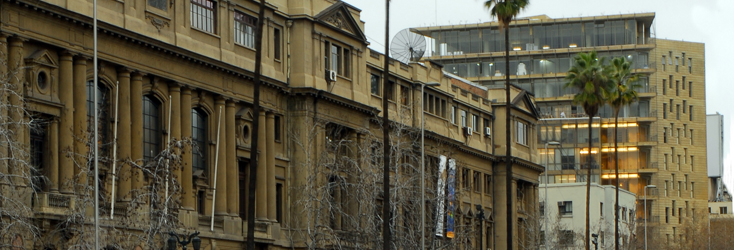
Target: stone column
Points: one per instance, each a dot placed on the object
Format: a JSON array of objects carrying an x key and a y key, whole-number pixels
[
  {"x": 15, "y": 64},
  {"x": 232, "y": 178},
  {"x": 53, "y": 148},
  {"x": 66, "y": 124},
  {"x": 123, "y": 134},
  {"x": 187, "y": 174},
  {"x": 270, "y": 155},
  {"x": 80, "y": 118},
  {"x": 175, "y": 91},
  {"x": 220, "y": 207},
  {"x": 3, "y": 101},
  {"x": 261, "y": 190},
  {"x": 136, "y": 119}
]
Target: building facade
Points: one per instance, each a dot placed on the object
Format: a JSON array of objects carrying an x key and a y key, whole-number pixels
[
  {"x": 661, "y": 136},
  {"x": 174, "y": 116},
  {"x": 566, "y": 216}
]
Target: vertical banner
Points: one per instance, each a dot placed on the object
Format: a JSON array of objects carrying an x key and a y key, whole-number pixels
[
  {"x": 452, "y": 199},
  {"x": 440, "y": 195}
]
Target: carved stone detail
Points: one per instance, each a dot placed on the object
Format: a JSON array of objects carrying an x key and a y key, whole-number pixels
[
  {"x": 338, "y": 20},
  {"x": 158, "y": 23}
]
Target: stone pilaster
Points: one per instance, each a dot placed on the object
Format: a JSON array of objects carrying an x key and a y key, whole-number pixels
[
  {"x": 270, "y": 155},
  {"x": 232, "y": 178},
  {"x": 175, "y": 91},
  {"x": 124, "y": 143},
  {"x": 15, "y": 64},
  {"x": 220, "y": 206},
  {"x": 66, "y": 124},
  {"x": 136, "y": 128},
  {"x": 261, "y": 190},
  {"x": 80, "y": 118},
  {"x": 187, "y": 157}
]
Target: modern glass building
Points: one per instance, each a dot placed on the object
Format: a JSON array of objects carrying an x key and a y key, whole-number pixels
[{"x": 661, "y": 137}]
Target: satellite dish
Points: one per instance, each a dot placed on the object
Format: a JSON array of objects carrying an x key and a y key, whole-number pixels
[{"x": 407, "y": 46}]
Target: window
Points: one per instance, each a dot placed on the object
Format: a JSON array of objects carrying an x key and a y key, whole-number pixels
[
  {"x": 151, "y": 128},
  {"x": 477, "y": 180},
  {"x": 671, "y": 106},
  {"x": 677, "y": 86},
  {"x": 462, "y": 119},
  {"x": 159, "y": 4},
  {"x": 278, "y": 128},
  {"x": 102, "y": 106},
  {"x": 203, "y": 15},
  {"x": 375, "y": 84},
  {"x": 690, "y": 65},
  {"x": 453, "y": 114},
  {"x": 666, "y": 187},
  {"x": 663, "y": 63},
  {"x": 690, "y": 113},
  {"x": 565, "y": 207},
  {"x": 667, "y": 212},
  {"x": 486, "y": 124},
  {"x": 690, "y": 89},
  {"x": 601, "y": 209},
  {"x": 279, "y": 202},
  {"x": 685, "y": 103},
  {"x": 665, "y": 160},
  {"x": 684, "y": 82},
  {"x": 199, "y": 138},
  {"x": 435, "y": 105},
  {"x": 276, "y": 43},
  {"x": 391, "y": 90},
  {"x": 244, "y": 29},
  {"x": 684, "y": 58},
  {"x": 465, "y": 178},
  {"x": 404, "y": 95},
  {"x": 37, "y": 151},
  {"x": 673, "y": 208},
  {"x": 677, "y": 111},
  {"x": 676, "y": 63},
  {"x": 664, "y": 89},
  {"x": 692, "y": 186},
  {"x": 521, "y": 133},
  {"x": 200, "y": 201},
  {"x": 475, "y": 123},
  {"x": 337, "y": 59},
  {"x": 665, "y": 111},
  {"x": 487, "y": 184}
]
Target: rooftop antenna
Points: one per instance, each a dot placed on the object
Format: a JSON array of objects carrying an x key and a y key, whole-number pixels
[{"x": 407, "y": 46}]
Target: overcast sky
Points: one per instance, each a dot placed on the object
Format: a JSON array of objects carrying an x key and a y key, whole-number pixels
[{"x": 705, "y": 21}]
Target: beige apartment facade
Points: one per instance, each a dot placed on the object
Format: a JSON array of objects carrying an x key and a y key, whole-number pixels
[
  {"x": 661, "y": 136},
  {"x": 174, "y": 116}
]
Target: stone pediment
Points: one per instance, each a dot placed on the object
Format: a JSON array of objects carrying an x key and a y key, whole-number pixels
[
  {"x": 41, "y": 57},
  {"x": 339, "y": 17},
  {"x": 524, "y": 101}
]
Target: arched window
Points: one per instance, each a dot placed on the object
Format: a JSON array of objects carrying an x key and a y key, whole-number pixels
[
  {"x": 151, "y": 128},
  {"x": 103, "y": 117},
  {"x": 199, "y": 137}
]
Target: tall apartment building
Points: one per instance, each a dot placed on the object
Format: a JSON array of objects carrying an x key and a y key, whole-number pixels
[
  {"x": 661, "y": 136},
  {"x": 182, "y": 71}
]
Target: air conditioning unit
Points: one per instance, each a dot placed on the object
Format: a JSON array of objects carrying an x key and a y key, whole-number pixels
[
  {"x": 331, "y": 75},
  {"x": 487, "y": 131},
  {"x": 468, "y": 130}
]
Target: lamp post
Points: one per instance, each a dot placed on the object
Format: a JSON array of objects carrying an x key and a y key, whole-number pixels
[
  {"x": 644, "y": 191},
  {"x": 546, "y": 190},
  {"x": 193, "y": 239},
  {"x": 480, "y": 217},
  {"x": 423, "y": 167}
]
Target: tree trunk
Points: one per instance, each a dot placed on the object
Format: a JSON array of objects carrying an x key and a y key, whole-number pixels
[
  {"x": 255, "y": 127},
  {"x": 508, "y": 141},
  {"x": 616, "y": 181},
  {"x": 588, "y": 184},
  {"x": 386, "y": 239}
]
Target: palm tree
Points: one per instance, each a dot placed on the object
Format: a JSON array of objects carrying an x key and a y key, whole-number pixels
[
  {"x": 621, "y": 92},
  {"x": 505, "y": 11},
  {"x": 588, "y": 75}
]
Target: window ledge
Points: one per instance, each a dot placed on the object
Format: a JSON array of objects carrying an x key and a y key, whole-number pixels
[
  {"x": 206, "y": 32},
  {"x": 240, "y": 45}
]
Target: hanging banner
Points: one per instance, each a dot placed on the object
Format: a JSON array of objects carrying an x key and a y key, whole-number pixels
[
  {"x": 440, "y": 195},
  {"x": 451, "y": 198}
]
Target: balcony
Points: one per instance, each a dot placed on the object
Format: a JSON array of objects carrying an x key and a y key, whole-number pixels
[{"x": 53, "y": 203}]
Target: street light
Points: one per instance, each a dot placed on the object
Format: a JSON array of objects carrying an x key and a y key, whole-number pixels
[
  {"x": 193, "y": 238},
  {"x": 423, "y": 167},
  {"x": 480, "y": 217},
  {"x": 546, "y": 190},
  {"x": 644, "y": 191}
]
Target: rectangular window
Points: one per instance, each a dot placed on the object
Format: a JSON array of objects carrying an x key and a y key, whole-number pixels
[
  {"x": 663, "y": 63},
  {"x": 204, "y": 15},
  {"x": 664, "y": 89},
  {"x": 486, "y": 125},
  {"x": 684, "y": 83},
  {"x": 346, "y": 68},
  {"x": 335, "y": 59},
  {"x": 601, "y": 209},
  {"x": 677, "y": 86},
  {"x": 684, "y": 106},
  {"x": 244, "y": 29},
  {"x": 279, "y": 202},
  {"x": 676, "y": 63},
  {"x": 667, "y": 212},
  {"x": 677, "y": 111},
  {"x": 684, "y": 58},
  {"x": 278, "y": 128},
  {"x": 671, "y": 105},
  {"x": 521, "y": 131},
  {"x": 475, "y": 123},
  {"x": 200, "y": 201},
  {"x": 673, "y": 208},
  {"x": 670, "y": 80},
  {"x": 151, "y": 128},
  {"x": 159, "y": 4},
  {"x": 465, "y": 178},
  {"x": 690, "y": 65},
  {"x": 488, "y": 184},
  {"x": 665, "y": 161},
  {"x": 665, "y": 111},
  {"x": 565, "y": 207},
  {"x": 276, "y": 43},
  {"x": 404, "y": 95},
  {"x": 690, "y": 113},
  {"x": 690, "y": 89},
  {"x": 391, "y": 90},
  {"x": 462, "y": 119},
  {"x": 375, "y": 84},
  {"x": 453, "y": 114}
]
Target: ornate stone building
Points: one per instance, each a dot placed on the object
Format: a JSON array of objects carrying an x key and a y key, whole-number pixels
[{"x": 174, "y": 116}]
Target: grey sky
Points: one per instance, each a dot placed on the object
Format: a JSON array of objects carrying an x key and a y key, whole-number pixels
[{"x": 703, "y": 21}]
